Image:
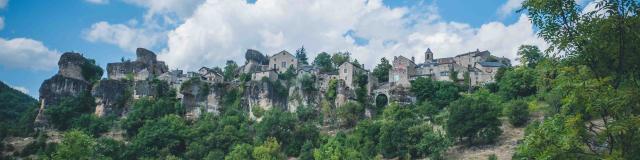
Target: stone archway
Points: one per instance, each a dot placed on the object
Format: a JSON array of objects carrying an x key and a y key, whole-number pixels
[{"x": 381, "y": 100}]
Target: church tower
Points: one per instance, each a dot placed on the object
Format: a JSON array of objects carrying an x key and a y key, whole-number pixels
[{"x": 428, "y": 56}]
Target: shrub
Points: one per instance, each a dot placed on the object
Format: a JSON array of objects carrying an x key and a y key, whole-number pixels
[{"x": 518, "y": 112}]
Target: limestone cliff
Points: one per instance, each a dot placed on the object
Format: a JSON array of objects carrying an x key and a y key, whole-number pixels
[
  {"x": 265, "y": 95},
  {"x": 111, "y": 97},
  {"x": 68, "y": 82},
  {"x": 145, "y": 67},
  {"x": 199, "y": 96}
]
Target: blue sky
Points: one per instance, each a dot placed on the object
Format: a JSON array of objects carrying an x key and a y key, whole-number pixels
[{"x": 107, "y": 30}]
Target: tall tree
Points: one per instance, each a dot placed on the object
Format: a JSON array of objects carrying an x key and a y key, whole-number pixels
[
  {"x": 340, "y": 57},
  {"x": 323, "y": 61},
  {"x": 530, "y": 55},
  {"x": 381, "y": 72},
  {"x": 230, "y": 70},
  {"x": 301, "y": 55}
]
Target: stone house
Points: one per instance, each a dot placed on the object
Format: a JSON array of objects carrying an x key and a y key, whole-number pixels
[
  {"x": 484, "y": 72},
  {"x": 470, "y": 58},
  {"x": 210, "y": 75},
  {"x": 348, "y": 71},
  {"x": 281, "y": 61},
  {"x": 270, "y": 74},
  {"x": 401, "y": 71}
]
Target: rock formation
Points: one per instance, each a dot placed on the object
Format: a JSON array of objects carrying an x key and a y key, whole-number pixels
[
  {"x": 67, "y": 83},
  {"x": 144, "y": 68},
  {"x": 111, "y": 97}
]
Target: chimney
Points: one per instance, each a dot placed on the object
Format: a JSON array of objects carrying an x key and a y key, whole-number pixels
[{"x": 413, "y": 59}]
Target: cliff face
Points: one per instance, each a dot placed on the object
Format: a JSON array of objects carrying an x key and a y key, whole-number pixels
[
  {"x": 264, "y": 95},
  {"x": 68, "y": 82},
  {"x": 111, "y": 97},
  {"x": 199, "y": 96}
]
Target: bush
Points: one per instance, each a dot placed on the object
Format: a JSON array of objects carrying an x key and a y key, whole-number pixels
[
  {"x": 518, "y": 112},
  {"x": 474, "y": 118},
  {"x": 350, "y": 113}
]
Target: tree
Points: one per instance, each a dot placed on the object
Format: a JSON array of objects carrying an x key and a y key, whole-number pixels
[
  {"x": 230, "y": 70},
  {"x": 381, "y": 71},
  {"x": 159, "y": 138},
  {"x": 62, "y": 115},
  {"x": 474, "y": 118},
  {"x": 518, "y": 112},
  {"x": 301, "y": 55},
  {"x": 438, "y": 92},
  {"x": 279, "y": 125},
  {"x": 530, "y": 55},
  {"x": 323, "y": 61},
  {"x": 77, "y": 145},
  {"x": 350, "y": 113},
  {"x": 145, "y": 109},
  {"x": 90, "y": 71},
  {"x": 306, "y": 152},
  {"x": 519, "y": 82},
  {"x": 340, "y": 57},
  {"x": 240, "y": 152},
  {"x": 269, "y": 150}
]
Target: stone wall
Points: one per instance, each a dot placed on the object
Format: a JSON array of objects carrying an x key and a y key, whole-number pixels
[{"x": 111, "y": 97}]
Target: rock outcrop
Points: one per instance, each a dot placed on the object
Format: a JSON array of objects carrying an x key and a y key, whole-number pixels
[
  {"x": 145, "y": 67},
  {"x": 111, "y": 97},
  {"x": 199, "y": 96},
  {"x": 67, "y": 83},
  {"x": 265, "y": 95}
]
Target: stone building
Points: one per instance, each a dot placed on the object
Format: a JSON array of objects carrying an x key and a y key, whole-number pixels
[
  {"x": 270, "y": 74},
  {"x": 348, "y": 72},
  {"x": 401, "y": 71},
  {"x": 255, "y": 62},
  {"x": 281, "y": 61},
  {"x": 145, "y": 67},
  {"x": 211, "y": 75}
]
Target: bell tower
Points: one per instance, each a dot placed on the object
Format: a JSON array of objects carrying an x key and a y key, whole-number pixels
[{"x": 428, "y": 56}]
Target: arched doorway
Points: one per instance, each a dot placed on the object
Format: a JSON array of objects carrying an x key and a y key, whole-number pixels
[{"x": 381, "y": 100}]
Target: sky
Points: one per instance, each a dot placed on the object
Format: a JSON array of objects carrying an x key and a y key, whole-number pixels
[{"x": 188, "y": 34}]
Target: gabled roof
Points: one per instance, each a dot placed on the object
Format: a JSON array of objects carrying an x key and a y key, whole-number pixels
[
  {"x": 283, "y": 52},
  {"x": 491, "y": 64}
]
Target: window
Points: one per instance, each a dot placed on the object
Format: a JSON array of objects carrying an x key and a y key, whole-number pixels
[
  {"x": 345, "y": 70},
  {"x": 284, "y": 64},
  {"x": 444, "y": 73},
  {"x": 274, "y": 66}
]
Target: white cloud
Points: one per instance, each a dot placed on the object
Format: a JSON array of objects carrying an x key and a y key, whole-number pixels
[
  {"x": 21, "y": 89},
  {"x": 3, "y": 3},
  {"x": 27, "y": 54},
  {"x": 509, "y": 7},
  {"x": 98, "y": 1},
  {"x": 123, "y": 36},
  {"x": 220, "y": 30}
]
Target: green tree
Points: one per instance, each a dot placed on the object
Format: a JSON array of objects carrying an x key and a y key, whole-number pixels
[
  {"x": 230, "y": 70},
  {"x": 438, "y": 92},
  {"x": 518, "y": 82},
  {"x": 77, "y": 145},
  {"x": 240, "y": 152},
  {"x": 306, "y": 152},
  {"x": 159, "y": 138},
  {"x": 62, "y": 115},
  {"x": 350, "y": 113},
  {"x": 530, "y": 55},
  {"x": 340, "y": 57},
  {"x": 269, "y": 150},
  {"x": 474, "y": 118},
  {"x": 323, "y": 61},
  {"x": 279, "y": 125},
  {"x": 90, "y": 71},
  {"x": 518, "y": 112},
  {"x": 381, "y": 71},
  {"x": 145, "y": 109},
  {"x": 301, "y": 55}
]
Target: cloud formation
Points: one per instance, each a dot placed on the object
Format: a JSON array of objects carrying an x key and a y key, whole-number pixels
[
  {"x": 27, "y": 53},
  {"x": 123, "y": 36},
  {"x": 220, "y": 30}
]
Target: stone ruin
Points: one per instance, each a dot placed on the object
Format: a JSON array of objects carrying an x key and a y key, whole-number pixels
[{"x": 145, "y": 67}]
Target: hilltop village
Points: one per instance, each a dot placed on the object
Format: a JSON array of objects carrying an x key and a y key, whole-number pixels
[{"x": 279, "y": 80}]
